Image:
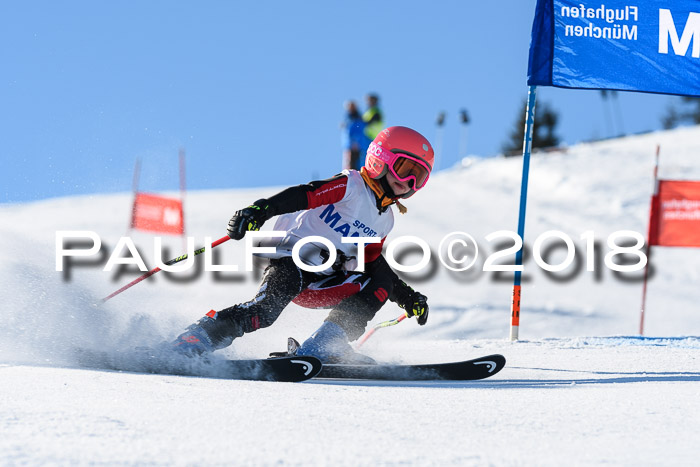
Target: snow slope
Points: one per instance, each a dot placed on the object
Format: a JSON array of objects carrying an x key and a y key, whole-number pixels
[{"x": 579, "y": 388}]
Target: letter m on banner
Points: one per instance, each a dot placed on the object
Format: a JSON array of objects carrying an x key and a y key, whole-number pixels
[
  {"x": 675, "y": 214},
  {"x": 668, "y": 33},
  {"x": 155, "y": 213}
]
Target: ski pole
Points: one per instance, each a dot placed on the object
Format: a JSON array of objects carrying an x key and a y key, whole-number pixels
[
  {"x": 156, "y": 269},
  {"x": 384, "y": 324}
]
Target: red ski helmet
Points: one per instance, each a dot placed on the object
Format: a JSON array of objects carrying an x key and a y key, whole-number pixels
[{"x": 404, "y": 152}]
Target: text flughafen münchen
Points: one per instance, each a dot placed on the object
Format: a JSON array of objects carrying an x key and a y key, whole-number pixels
[{"x": 610, "y": 23}]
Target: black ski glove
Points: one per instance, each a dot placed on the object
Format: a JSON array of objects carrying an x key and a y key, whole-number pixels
[
  {"x": 250, "y": 218},
  {"x": 415, "y": 304}
]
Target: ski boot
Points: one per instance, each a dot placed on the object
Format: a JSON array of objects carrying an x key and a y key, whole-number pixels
[
  {"x": 197, "y": 338},
  {"x": 330, "y": 345},
  {"x": 194, "y": 341}
]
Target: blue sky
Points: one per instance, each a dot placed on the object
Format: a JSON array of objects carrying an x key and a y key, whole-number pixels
[{"x": 254, "y": 91}]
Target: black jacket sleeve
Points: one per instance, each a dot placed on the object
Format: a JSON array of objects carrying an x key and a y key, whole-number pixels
[
  {"x": 307, "y": 196},
  {"x": 400, "y": 291}
]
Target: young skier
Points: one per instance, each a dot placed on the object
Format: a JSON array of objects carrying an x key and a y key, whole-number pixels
[{"x": 351, "y": 204}]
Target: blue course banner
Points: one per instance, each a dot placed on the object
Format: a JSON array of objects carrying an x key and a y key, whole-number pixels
[{"x": 642, "y": 45}]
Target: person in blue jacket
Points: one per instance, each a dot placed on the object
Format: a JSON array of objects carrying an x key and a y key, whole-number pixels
[{"x": 355, "y": 140}]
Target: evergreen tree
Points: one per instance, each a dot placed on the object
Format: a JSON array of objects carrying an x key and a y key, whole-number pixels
[
  {"x": 694, "y": 111},
  {"x": 687, "y": 112},
  {"x": 543, "y": 132}
]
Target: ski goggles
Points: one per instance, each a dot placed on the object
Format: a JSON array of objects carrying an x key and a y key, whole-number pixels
[{"x": 403, "y": 166}]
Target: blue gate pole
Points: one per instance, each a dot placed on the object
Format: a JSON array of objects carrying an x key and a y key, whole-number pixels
[{"x": 527, "y": 148}]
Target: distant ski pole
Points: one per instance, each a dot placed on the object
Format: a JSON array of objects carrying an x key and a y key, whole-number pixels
[
  {"x": 384, "y": 324},
  {"x": 156, "y": 269}
]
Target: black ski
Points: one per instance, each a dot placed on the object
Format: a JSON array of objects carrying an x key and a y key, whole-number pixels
[
  {"x": 478, "y": 368},
  {"x": 289, "y": 369}
]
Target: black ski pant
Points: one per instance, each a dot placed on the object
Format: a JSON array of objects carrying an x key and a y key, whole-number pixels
[{"x": 281, "y": 283}]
